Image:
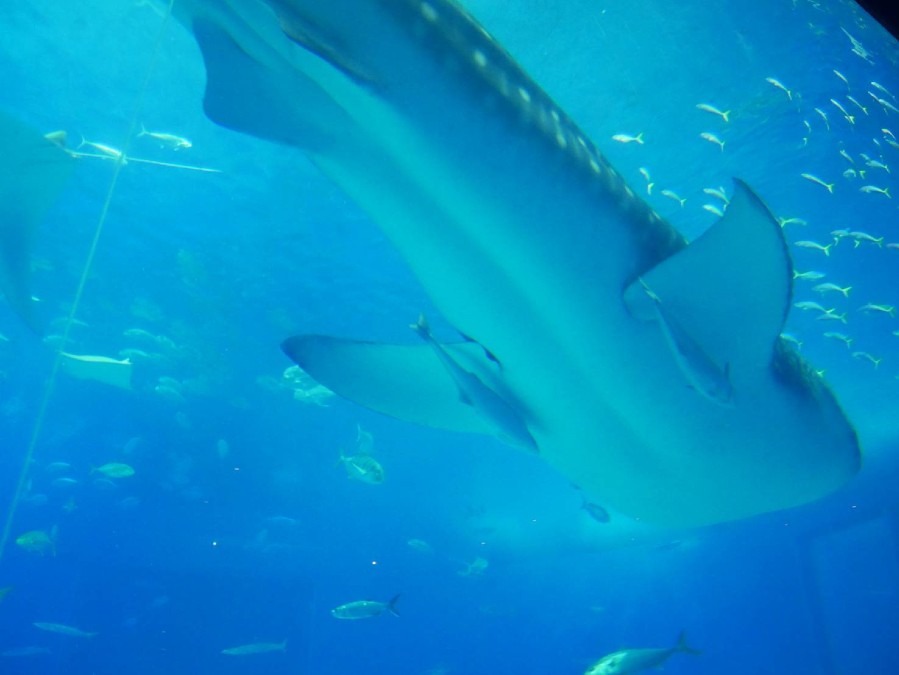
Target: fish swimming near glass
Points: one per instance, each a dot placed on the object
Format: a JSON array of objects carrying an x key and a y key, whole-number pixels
[
  {"x": 685, "y": 411},
  {"x": 626, "y": 661},
  {"x": 63, "y": 629},
  {"x": 256, "y": 648},
  {"x": 365, "y": 609}
]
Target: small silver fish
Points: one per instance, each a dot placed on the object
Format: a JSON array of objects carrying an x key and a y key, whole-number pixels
[
  {"x": 673, "y": 195},
  {"x": 807, "y": 305},
  {"x": 62, "y": 629},
  {"x": 778, "y": 85},
  {"x": 629, "y": 661},
  {"x": 256, "y": 648},
  {"x": 626, "y": 138},
  {"x": 814, "y": 179},
  {"x": 808, "y": 276},
  {"x": 365, "y": 609},
  {"x": 867, "y": 357},
  {"x": 717, "y": 192},
  {"x": 712, "y": 138},
  {"x": 889, "y": 310},
  {"x": 873, "y": 189},
  {"x": 170, "y": 140},
  {"x": 828, "y": 287},
  {"x": 845, "y": 339},
  {"x": 814, "y": 245},
  {"x": 723, "y": 114}
]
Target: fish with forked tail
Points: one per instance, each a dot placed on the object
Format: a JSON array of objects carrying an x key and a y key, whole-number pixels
[
  {"x": 626, "y": 661},
  {"x": 365, "y": 609}
]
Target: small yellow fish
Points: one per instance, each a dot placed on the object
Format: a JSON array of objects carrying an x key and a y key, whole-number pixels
[
  {"x": 115, "y": 470},
  {"x": 39, "y": 542}
]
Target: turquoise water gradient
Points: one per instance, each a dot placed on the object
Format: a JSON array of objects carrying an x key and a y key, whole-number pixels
[{"x": 240, "y": 525}]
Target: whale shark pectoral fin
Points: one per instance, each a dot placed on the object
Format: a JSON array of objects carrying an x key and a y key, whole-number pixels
[
  {"x": 255, "y": 91},
  {"x": 404, "y": 381},
  {"x": 729, "y": 290}
]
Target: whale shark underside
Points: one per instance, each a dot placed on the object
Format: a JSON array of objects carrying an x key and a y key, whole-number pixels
[{"x": 650, "y": 372}]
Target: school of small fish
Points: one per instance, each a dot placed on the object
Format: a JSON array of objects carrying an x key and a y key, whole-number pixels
[{"x": 866, "y": 109}]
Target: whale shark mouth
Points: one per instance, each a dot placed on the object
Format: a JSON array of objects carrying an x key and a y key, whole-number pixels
[{"x": 648, "y": 371}]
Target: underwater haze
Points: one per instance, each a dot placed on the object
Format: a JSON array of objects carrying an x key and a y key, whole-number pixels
[{"x": 177, "y": 495}]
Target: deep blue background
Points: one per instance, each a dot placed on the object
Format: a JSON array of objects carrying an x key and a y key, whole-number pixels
[{"x": 184, "y": 559}]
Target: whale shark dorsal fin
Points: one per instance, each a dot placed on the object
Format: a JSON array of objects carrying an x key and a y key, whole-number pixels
[
  {"x": 730, "y": 289},
  {"x": 404, "y": 381}
]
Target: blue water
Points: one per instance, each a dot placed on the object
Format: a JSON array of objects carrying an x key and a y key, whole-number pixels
[{"x": 240, "y": 526}]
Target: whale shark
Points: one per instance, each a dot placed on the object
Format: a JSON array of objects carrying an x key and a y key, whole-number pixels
[{"x": 647, "y": 369}]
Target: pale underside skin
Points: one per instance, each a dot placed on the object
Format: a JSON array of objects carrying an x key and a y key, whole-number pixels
[{"x": 527, "y": 241}]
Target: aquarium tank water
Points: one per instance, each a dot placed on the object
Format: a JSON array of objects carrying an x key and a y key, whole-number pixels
[{"x": 448, "y": 337}]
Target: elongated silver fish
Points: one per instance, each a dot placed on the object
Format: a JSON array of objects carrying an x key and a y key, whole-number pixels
[
  {"x": 627, "y": 661},
  {"x": 365, "y": 609},
  {"x": 530, "y": 243},
  {"x": 256, "y": 648},
  {"x": 62, "y": 629}
]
